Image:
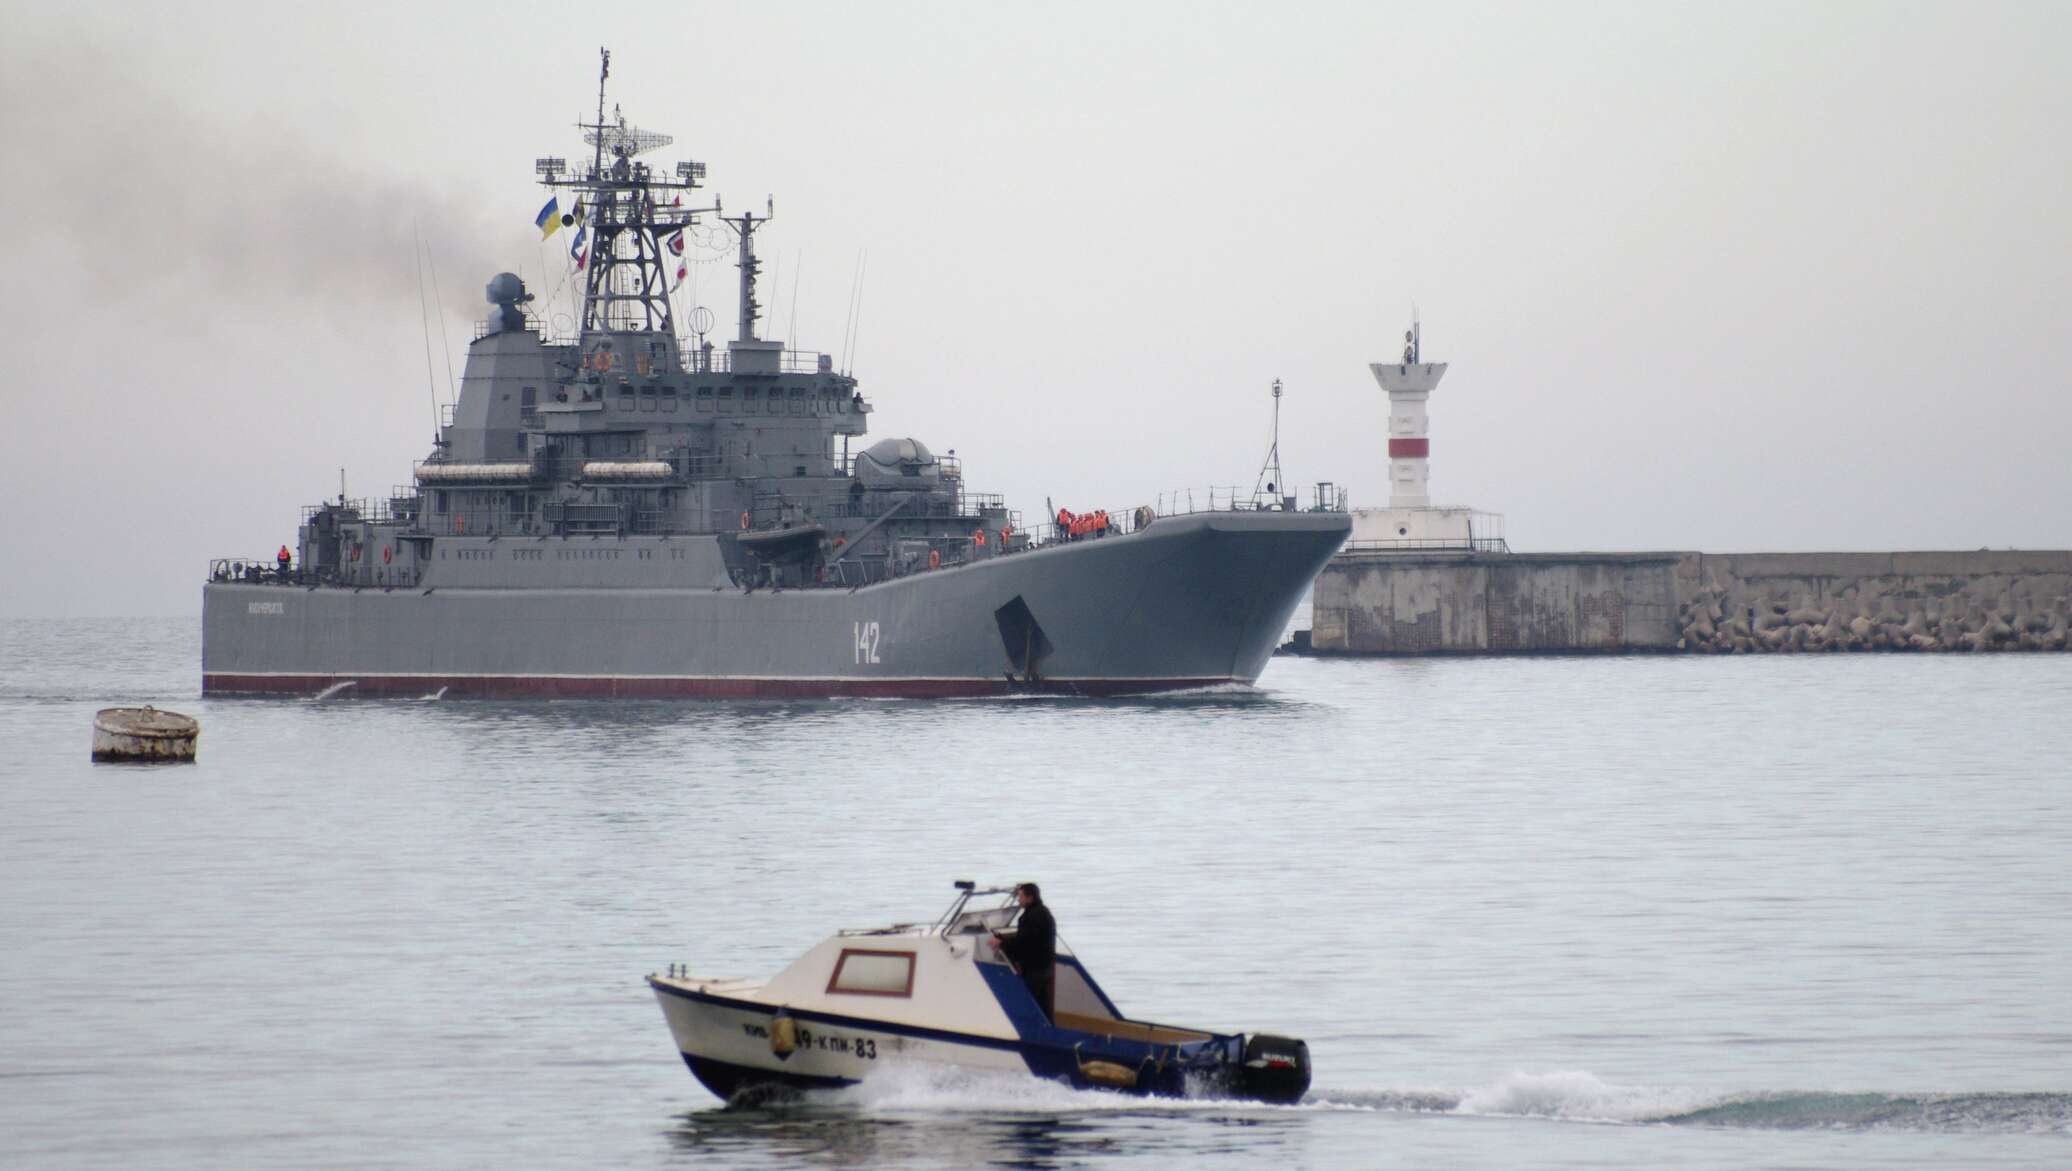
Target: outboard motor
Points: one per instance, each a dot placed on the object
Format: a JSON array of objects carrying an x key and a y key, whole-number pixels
[{"x": 1274, "y": 1069}]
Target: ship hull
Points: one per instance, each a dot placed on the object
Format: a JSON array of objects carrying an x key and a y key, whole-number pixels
[{"x": 1190, "y": 601}]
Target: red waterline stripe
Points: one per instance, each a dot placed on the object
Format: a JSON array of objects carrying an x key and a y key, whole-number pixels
[{"x": 607, "y": 687}]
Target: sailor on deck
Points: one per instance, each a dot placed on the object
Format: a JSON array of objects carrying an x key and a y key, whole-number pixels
[
  {"x": 1034, "y": 947},
  {"x": 283, "y": 557}
]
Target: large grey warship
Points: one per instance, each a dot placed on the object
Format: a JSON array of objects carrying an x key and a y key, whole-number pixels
[{"x": 627, "y": 512}]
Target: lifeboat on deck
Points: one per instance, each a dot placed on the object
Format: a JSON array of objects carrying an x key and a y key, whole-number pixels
[{"x": 863, "y": 1000}]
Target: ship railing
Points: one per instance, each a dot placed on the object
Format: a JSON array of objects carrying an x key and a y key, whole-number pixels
[
  {"x": 532, "y": 322},
  {"x": 1422, "y": 544},
  {"x": 720, "y": 361},
  {"x": 952, "y": 467},
  {"x": 691, "y": 360},
  {"x": 369, "y": 574},
  {"x": 400, "y": 506},
  {"x": 251, "y": 571},
  {"x": 1188, "y": 502},
  {"x": 486, "y": 522},
  {"x": 1324, "y": 497},
  {"x": 395, "y": 576},
  {"x": 356, "y": 575},
  {"x": 777, "y": 509}
]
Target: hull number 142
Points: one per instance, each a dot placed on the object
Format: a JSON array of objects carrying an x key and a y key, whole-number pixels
[{"x": 866, "y": 642}]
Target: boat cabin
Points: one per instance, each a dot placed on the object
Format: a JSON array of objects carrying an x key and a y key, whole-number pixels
[{"x": 943, "y": 992}]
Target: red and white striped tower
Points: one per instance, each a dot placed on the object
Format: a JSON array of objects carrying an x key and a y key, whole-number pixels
[{"x": 1409, "y": 383}]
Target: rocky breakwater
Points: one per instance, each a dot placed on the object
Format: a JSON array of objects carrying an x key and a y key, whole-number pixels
[{"x": 1811, "y": 602}]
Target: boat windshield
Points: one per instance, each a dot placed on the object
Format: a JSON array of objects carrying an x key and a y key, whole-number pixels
[{"x": 978, "y": 910}]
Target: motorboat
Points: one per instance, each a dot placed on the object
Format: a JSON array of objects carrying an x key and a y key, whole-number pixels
[{"x": 942, "y": 992}]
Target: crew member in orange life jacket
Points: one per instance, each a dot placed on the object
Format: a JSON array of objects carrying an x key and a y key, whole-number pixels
[{"x": 283, "y": 558}]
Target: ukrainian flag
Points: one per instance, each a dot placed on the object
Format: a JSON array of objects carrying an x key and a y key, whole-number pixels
[{"x": 549, "y": 219}]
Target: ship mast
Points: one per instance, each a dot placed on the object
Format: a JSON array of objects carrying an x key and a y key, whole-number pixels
[
  {"x": 1271, "y": 480},
  {"x": 744, "y": 226},
  {"x": 624, "y": 213}
]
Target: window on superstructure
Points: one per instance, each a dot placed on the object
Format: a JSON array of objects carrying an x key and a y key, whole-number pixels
[
  {"x": 625, "y": 396},
  {"x": 647, "y": 398},
  {"x": 869, "y": 972},
  {"x": 705, "y": 399},
  {"x": 668, "y": 399}
]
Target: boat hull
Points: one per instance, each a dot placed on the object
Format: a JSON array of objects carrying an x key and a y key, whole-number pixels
[
  {"x": 1189, "y": 602},
  {"x": 725, "y": 1042}
]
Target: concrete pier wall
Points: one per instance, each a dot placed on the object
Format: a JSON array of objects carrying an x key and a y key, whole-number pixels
[{"x": 1458, "y": 602}]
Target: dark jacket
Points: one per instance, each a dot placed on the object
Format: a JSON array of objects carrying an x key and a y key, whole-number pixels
[{"x": 1034, "y": 944}]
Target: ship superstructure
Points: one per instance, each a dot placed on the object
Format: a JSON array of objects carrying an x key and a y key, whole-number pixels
[{"x": 634, "y": 510}]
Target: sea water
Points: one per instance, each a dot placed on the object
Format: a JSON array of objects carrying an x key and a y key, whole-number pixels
[{"x": 1775, "y": 911}]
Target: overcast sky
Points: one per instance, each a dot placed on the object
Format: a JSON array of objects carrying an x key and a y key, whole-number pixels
[{"x": 1723, "y": 277}]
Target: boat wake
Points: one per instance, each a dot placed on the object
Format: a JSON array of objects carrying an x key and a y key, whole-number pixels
[
  {"x": 1207, "y": 695},
  {"x": 900, "y": 1090},
  {"x": 1574, "y": 1096}
]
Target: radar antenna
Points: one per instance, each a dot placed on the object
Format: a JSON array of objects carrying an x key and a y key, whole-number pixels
[
  {"x": 629, "y": 220},
  {"x": 625, "y": 141}
]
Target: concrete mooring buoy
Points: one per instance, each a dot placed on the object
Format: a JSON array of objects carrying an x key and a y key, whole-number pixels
[{"x": 144, "y": 734}]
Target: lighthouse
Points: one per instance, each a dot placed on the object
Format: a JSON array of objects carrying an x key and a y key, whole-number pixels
[
  {"x": 1410, "y": 521},
  {"x": 1409, "y": 384}
]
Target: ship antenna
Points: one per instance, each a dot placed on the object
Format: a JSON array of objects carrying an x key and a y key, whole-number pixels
[
  {"x": 431, "y": 382},
  {"x": 439, "y": 304},
  {"x": 855, "y": 278},
  {"x": 849, "y": 336},
  {"x": 604, "y": 70},
  {"x": 797, "y": 262},
  {"x": 1275, "y": 484}
]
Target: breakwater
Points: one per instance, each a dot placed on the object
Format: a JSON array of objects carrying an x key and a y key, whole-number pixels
[
  {"x": 1466, "y": 602},
  {"x": 1959, "y": 601}
]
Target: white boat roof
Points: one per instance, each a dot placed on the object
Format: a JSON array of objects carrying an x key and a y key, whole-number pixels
[{"x": 927, "y": 975}]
